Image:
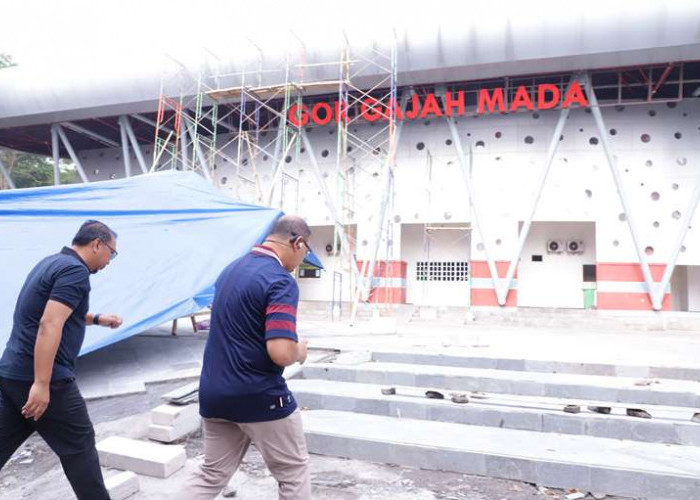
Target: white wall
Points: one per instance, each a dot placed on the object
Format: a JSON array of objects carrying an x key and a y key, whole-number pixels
[
  {"x": 434, "y": 244},
  {"x": 506, "y": 173},
  {"x": 557, "y": 281}
]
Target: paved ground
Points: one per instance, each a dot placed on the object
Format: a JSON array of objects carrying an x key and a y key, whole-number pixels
[{"x": 124, "y": 382}]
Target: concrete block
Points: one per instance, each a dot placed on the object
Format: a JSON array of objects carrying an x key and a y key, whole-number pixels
[
  {"x": 174, "y": 415},
  {"x": 171, "y": 422},
  {"x": 122, "y": 485},
  {"x": 141, "y": 457}
]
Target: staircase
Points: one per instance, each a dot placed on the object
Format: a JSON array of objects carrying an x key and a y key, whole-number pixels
[{"x": 514, "y": 425}]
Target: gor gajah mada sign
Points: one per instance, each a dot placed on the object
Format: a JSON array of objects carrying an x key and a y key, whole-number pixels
[{"x": 547, "y": 96}]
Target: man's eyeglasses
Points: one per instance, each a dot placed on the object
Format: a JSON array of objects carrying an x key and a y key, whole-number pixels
[
  {"x": 112, "y": 252},
  {"x": 296, "y": 237}
]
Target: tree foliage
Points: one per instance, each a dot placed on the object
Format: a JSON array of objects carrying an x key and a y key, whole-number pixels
[{"x": 28, "y": 170}]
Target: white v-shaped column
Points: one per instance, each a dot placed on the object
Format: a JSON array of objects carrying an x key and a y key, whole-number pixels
[
  {"x": 655, "y": 290},
  {"x": 502, "y": 286}
]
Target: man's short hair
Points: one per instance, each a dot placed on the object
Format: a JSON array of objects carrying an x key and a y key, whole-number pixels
[
  {"x": 93, "y": 230},
  {"x": 291, "y": 226}
]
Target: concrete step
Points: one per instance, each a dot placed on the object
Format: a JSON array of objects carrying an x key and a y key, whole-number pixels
[
  {"x": 141, "y": 457},
  {"x": 536, "y": 365},
  {"x": 586, "y": 387},
  {"x": 667, "y": 425},
  {"x": 611, "y": 466}
]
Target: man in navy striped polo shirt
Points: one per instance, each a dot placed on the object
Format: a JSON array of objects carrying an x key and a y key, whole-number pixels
[{"x": 243, "y": 396}]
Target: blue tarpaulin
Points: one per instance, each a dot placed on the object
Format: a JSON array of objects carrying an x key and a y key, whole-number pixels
[{"x": 176, "y": 232}]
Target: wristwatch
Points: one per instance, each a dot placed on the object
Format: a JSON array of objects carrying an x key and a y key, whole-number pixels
[{"x": 96, "y": 319}]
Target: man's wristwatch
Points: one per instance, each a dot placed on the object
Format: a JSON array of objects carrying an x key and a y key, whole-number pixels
[{"x": 96, "y": 319}]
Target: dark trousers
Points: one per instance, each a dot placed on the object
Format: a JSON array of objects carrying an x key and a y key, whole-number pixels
[{"x": 66, "y": 428}]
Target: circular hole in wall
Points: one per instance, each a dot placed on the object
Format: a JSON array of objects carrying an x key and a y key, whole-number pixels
[
  {"x": 655, "y": 196},
  {"x": 649, "y": 250},
  {"x": 589, "y": 193},
  {"x": 224, "y": 180},
  {"x": 616, "y": 243},
  {"x": 676, "y": 214},
  {"x": 288, "y": 159},
  {"x": 498, "y": 134},
  {"x": 682, "y": 161},
  {"x": 619, "y": 107},
  {"x": 671, "y": 104},
  {"x": 593, "y": 141},
  {"x": 652, "y": 112},
  {"x": 420, "y": 146},
  {"x": 645, "y": 138},
  {"x": 529, "y": 139},
  {"x": 447, "y": 215},
  {"x": 535, "y": 115},
  {"x": 649, "y": 163},
  {"x": 480, "y": 247},
  {"x": 397, "y": 218},
  {"x": 613, "y": 131},
  {"x": 677, "y": 135},
  {"x": 674, "y": 186},
  {"x": 622, "y": 217},
  {"x": 480, "y": 144},
  {"x": 324, "y": 153},
  {"x": 112, "y": 176},
  {"x": 683, "y": 248},
  {"x": 448, "y": 142},
  {"x": 656, "y": 224},
  {"x": 427, "y": 122},
  {"x": 498, "y": 241}
]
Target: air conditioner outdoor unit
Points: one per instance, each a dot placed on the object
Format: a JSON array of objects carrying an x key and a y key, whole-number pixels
[
  {"x": 555, "y": 246},
  {"x": 575, "y": 247}
]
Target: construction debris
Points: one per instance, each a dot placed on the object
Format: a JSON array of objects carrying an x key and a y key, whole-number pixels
[
  {"x": 603, "y": 410},
  {"x": 183, "y": 395},
  {"x": 572, "y": 409}
]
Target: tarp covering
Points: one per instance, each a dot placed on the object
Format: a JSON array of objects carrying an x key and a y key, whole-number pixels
[{"x": 176, "y": 232}]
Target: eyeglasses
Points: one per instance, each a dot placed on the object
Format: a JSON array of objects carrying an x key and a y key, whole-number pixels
[
  {"x": 112, "y": 252},
  {"x": 296, "y": 237}
]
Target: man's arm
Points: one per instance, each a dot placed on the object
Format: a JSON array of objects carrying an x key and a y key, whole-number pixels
[
  {"x": 286, "y": 352},
  {"x": 110, "y": 320},
  {"x": 48, "y": 338}
]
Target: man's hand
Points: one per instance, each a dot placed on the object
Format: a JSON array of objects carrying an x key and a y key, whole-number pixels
[
  {"x": 37, "y": 402},
  {"x": 110, "y": 320},
  {"x": 303, "y": 351}
]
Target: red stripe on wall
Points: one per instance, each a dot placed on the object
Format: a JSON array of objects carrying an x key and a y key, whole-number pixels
[
  {"x": 388, "y": 295},
  {"x": 627, "y": 272},
  {"x": 487, "y": 297},
  {"x": 630, "y": 301},
  {"x": 480, "y": 269},
  {"x": 386, "y": 268}
]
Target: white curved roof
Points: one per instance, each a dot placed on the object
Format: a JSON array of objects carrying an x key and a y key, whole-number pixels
[{"x": 440, "y": 42}]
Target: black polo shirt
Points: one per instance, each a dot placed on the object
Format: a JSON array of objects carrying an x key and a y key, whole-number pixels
[{"x": 63, "y": 277}]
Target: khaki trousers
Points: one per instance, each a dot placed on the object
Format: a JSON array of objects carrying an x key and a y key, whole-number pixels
[{"x": 280, "y": 442}]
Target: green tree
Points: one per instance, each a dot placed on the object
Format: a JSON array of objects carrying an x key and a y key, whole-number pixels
[{"x": 28, "y": 170}]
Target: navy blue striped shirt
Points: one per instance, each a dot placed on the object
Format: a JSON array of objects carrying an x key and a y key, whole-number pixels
[{"x": 255, "y": 300}]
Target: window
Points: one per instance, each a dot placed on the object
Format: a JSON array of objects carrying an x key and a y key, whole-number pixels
[{"x": 442, "y": 271}]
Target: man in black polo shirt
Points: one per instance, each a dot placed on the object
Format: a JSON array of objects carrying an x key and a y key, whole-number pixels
[{"x": 37, "y": 380}]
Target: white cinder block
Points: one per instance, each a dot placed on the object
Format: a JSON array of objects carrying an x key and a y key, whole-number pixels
[
  {"x": 122, "y": 485},
  {"x": 174, "y": 415},
  {"x": 141, "y": 457},
  {"x": 172, "y": 422}
]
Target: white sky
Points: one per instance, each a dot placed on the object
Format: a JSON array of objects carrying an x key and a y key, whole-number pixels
[{"x": 60, "y": 32}]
